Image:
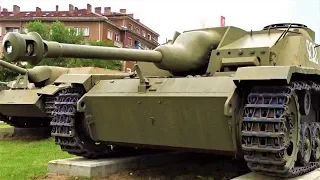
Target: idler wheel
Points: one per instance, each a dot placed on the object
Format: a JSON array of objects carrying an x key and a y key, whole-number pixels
[
  {"x": 305, "y": 102},
  {"x": 305, "y": 148}
]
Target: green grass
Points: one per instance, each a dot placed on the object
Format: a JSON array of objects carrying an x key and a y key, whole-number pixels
[
  {"x": 4, "y": 125},
  {"x": 27, "y": 159}
]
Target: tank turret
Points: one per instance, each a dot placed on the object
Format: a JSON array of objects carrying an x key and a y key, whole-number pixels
[
  {"x": 188, "y": 53},
  {"x": 35, "y": 75},
  {"x": 45, "y": 75}
]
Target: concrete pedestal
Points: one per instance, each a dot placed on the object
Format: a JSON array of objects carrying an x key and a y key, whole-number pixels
[{"x": 103, "y": 167}]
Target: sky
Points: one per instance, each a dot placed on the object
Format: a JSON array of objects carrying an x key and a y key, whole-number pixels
[{"x": 167, "y": 16}]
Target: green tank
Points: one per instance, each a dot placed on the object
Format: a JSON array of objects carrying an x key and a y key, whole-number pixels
[
  {"x": 28, "y": 100},
  {"x": 223, "y": 89}
]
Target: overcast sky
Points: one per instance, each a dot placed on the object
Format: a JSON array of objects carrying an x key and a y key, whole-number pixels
[{"x": 167, "y": 16}]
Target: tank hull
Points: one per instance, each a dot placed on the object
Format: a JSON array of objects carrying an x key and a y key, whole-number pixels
[
  {"x": 175, "y": 113},
  {"x": 21, "y": 103}
]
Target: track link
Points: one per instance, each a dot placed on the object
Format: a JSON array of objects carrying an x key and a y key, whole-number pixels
[
  {"x": 271, "y": 128},
  {"x": 71, "y": 136},
  {"x": 49, "y": 105}
]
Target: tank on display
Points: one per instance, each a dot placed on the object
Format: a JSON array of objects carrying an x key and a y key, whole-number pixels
[
  {"x": 250, "y": 93},
  {"x": 28, "y": 100}
]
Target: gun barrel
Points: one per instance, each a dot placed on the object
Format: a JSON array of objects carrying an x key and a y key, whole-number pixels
[
  {"x": 13, "y": 67},
  {"x": 188, "y": 53},
  {"x": 56, "y": 50},
  {"x": 32, "y": 48}
]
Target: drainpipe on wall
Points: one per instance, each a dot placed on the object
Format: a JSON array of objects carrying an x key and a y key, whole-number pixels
[
  {"x": 99, "y": 31},
  {"x": 124, "y": 63}
]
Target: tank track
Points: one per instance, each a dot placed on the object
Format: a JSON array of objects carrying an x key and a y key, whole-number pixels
[
  {"x": 70, "y": 135},
  {"x": 270, "y": 133},
  {"x": 49, "y": 105}
]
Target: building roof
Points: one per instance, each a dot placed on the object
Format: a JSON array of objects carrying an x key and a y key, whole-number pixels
[
  {"x": 74, "y": 14},
  {"x": 26, "y": 14},
  {"x": 130, "y": 16}
]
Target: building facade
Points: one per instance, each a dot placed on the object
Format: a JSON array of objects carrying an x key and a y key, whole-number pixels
[{"x": 120, "y": 27}]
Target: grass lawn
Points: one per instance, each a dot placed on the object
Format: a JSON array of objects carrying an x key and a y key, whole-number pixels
[
  {"x": 4, "y": 125},
  {"x": 22, "y": 159}
]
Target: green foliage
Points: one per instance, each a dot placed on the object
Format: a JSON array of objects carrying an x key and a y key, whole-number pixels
[
  {"x": 107, "y": 43},
  {"x": 114, "y": 64},
  {"x": 62, "y": 34},
  {"x": 8, "y": 75},
  {"x": 57, "y": 31},
  {"x": 39, "y": 27}
]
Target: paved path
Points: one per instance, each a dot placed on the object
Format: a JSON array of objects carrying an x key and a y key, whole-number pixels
[{"x": 313, "y": 175}]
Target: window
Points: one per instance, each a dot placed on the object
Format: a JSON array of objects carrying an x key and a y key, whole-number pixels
[
  {"x": 137, "y": 45},
  {"x": 130, "y": 26},
  {"x": 110, "y": 35},
  {"x": 143, "y": 33},
  {"x": 85, "y": 31},
  {"x": 117, "y": 37},
  {"x": 12, "y": 29},
  {"x": 129, "y": 41},
  {"x": 149, "y": 36},
  {"x": 78, "y": 30},
  {"x": 138, "y": 30}
]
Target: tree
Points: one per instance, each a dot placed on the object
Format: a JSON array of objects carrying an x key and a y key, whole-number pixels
[
  {"x": 110, "y": 64},
  {"x": 58, "y": 32},
  {"x": 9, "y": 75},
  {"x": 39, "y": 27},
  {"x": 62, "y": 34}
]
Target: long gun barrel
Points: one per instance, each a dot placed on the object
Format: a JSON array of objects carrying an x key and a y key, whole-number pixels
[
  {"x": 13, "y": 67},
  {"x": 37, "y": 74},
  {"x": 189, "y": 51}
]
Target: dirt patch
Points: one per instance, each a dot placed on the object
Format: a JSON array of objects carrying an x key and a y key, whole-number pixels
[
  {"x": 4, "y": 135},
  {"x": 195, "y": 167},
  {"x": 12, "y": 136},
  {"x": 54, "y": 177}
]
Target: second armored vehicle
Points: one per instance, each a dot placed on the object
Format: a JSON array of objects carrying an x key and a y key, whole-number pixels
[{"x": 29, "y": 99}]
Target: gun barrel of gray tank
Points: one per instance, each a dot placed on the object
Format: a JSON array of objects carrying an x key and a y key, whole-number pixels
[
  {"x": 55, "y": 50},
  {"x": 13, "y": 67}
]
